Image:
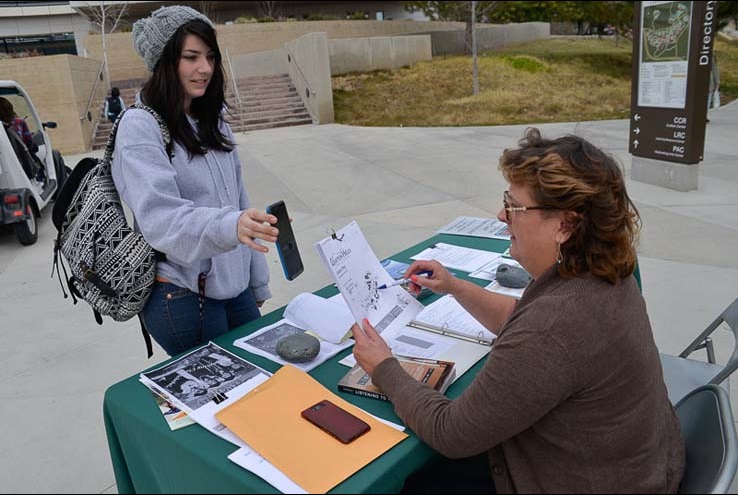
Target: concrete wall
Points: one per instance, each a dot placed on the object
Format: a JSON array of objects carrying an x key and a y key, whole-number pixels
[
  {"x": 310, "y": 71},
  {"x": 489, "y": 37},
  {"x": 60, "y": 86},
  {"x": 257, "y": 37},
  {"x": 264, "y": 63},
  {"x": 381, "y": 52}
]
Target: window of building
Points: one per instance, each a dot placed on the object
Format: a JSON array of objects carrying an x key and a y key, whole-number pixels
[{"x": 49, "y": 44}]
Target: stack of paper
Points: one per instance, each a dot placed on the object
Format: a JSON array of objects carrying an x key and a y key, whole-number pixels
[
  {"x": 457, "y": 257},
  {"x": 269, "y": 420},
  {"x": 490, "y": 228},
  {"x": 203, "y": 382}
]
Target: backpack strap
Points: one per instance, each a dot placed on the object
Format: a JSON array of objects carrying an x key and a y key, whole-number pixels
[
  {"x": 110, "y": 146},
  {"x": 147, "y": 337}
]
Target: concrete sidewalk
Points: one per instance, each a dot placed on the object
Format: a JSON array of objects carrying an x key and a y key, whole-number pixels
[{"x": 400, "y": 184}]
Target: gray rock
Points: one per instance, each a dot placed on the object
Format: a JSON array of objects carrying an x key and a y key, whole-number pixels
[
  {"x": 512, "y": 276},
  {"x": 298, "y": 348}
]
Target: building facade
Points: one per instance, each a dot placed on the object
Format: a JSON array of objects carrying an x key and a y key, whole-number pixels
[{"x": 48, "y": 28}]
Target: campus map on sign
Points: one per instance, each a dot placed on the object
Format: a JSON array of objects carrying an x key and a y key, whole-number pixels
[
  {"x": 664, "y": 54},
  {"x": 666, "y": 32}
]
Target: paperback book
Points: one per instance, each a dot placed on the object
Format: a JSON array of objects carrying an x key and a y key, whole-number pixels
[{"x": 437, "y": 374}]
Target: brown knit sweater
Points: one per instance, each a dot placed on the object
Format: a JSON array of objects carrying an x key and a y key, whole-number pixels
[{"x": 571, "y": 398}]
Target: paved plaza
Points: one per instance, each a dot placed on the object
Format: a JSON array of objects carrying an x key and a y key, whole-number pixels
[{"x": 400, "y": 184}]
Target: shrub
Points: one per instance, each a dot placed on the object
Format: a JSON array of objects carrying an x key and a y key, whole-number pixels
[
  {"x": 526, "y": 63},
  {"x": 244, "y": 19},
  {"x": 357, "y": 16},
  {"x": 317, "y": 16}
]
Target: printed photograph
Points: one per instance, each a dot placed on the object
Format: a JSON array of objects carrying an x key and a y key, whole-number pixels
[{"x": 199, "y": 377}]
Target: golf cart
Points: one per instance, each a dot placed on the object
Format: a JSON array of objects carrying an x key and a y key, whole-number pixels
[{"x": 22, "y": 196}]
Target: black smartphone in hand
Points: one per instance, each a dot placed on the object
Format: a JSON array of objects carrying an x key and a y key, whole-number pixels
[
  {"x": 287, "y": 250},
  {"x": 335, "y": 421}
]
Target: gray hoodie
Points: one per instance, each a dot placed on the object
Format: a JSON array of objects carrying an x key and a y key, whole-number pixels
[{"x": 188, "y": 209}]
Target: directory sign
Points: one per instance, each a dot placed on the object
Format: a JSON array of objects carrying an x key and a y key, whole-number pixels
[{"x": 672, "y": 57}]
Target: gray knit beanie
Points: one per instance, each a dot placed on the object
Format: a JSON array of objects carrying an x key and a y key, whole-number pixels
[{"x": 151, "y": 34}]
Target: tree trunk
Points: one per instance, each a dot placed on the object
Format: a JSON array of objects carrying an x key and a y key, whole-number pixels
[
  {"x": 105, "y": 47},
  {"x": 468, "y": 38},
  {"x": 475, "y": 69}
]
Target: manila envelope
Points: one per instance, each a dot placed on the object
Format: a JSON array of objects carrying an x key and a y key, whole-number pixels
[{"x": 268, "y": 420}]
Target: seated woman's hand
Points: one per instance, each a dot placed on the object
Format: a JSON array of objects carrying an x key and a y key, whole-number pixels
[
  {"x": 440, "y": 280},
  {"x": 255, "y": 224},
  {"x": 370, "y": 348}
]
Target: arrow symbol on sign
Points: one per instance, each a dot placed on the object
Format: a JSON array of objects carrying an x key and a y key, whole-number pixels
[
  {"x": 637, "y": 130},
  {"x": 635, "y": 144},
  {"x": 637, "y": 117}
]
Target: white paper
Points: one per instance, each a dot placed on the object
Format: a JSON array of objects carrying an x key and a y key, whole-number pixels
[
  {"x": 489, "y": 228},
  {"x": 358, "y": 274},
  {"x": 489, "y": 271},
  {"x": 192, "y": 381},
  {"x": 329, "y": 319},
  {"x": 446, "y": 314},
  {"x": 457, "y": 257},
  {"x": 264, "y": 343},
  {"x": 248, "y": 459},
  {"x": 506, "y": 291}
]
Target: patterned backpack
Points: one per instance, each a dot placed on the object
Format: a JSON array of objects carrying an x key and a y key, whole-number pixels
[{"x": 112, "y": 267}]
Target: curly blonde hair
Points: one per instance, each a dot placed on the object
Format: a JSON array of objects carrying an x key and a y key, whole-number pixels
[{"x": 572, "y": 175}]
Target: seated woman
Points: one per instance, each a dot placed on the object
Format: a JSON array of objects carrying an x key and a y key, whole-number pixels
[{"x": 572, "y": 396}]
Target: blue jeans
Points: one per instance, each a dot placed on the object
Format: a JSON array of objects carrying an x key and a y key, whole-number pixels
[{"x": 172, "y": 316}]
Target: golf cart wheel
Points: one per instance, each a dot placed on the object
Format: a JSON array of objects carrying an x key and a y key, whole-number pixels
[{"x": 27, "y": 231}]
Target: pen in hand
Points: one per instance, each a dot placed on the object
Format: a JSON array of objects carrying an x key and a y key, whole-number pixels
[{"x": 404, "y": 281}]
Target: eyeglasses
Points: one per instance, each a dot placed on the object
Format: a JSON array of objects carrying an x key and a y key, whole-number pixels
[{"x": 508, "y": 208}]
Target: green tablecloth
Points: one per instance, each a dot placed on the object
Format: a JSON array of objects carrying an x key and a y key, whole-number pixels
[{"x": 150, "y": 458}]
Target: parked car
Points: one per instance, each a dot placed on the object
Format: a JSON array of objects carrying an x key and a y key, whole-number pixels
[{"x": 23, "y": 198}]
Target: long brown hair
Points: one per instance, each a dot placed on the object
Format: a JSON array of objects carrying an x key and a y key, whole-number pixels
[{"x": 572, "y": 175}]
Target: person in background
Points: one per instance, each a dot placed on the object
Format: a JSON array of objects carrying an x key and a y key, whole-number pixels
[
  {"x": 9, "y": 117},
  {"x": 114, "y": 104},
  {"x": 572, "y": 396},
  {"x": 23, "y": 145},
  {"x": 191, "y": 205},
  {"x": 713, "y": 92}
]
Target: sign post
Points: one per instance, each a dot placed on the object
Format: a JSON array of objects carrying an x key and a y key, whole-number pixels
[{"x": 672, "y": 58}]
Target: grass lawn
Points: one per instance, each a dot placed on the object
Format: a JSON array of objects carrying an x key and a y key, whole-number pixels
[{"x": 556, "y": 80}]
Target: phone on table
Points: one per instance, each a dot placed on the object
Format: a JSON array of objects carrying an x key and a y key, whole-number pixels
[
  {"x": 336, "y": 421},
  {"x": 287, "y": 250}
]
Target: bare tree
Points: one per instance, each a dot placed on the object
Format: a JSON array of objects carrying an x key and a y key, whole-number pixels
[
  {"x": 205, "y": 8},
  {"x": 272, "y": 10},
  {"x": 106, "y": 16},
  {"x": 475, "y": 68}
]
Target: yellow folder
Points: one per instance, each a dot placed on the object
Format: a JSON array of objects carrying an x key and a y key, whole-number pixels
[{"x": 268, "y": 420}]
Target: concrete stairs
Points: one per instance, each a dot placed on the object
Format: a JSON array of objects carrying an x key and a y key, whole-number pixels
[{"x": 265, "y": 102}]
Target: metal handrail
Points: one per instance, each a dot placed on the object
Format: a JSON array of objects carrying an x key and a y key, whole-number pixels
[
  {"x": 86, "y": 113},
  {"x": 235, "y": 88},
  {"x": 292, "y": 60}
]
